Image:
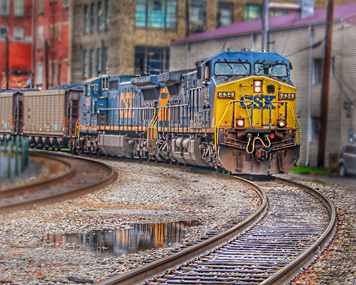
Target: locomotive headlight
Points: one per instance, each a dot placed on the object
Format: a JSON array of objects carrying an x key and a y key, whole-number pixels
[
  {"x": 257, "y": 86},
  {"x": 281, "y": 123},
  {"x": 240, "y": 123}
]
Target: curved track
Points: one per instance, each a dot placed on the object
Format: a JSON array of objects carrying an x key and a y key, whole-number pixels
[
  {"x": 297, "y": 223},
  {"x": 83, "y": 176}
]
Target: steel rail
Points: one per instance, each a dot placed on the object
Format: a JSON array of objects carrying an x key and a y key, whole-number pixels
[
  {"x": 27, "y": 187},
  {"x": 158, "y": 267},
  {"x": 292, "y": 269},
  {"x": 72, "y": 193}
]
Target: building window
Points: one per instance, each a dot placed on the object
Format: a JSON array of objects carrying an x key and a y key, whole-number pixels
[
  {"x": 39, "y": 71},
  {"x": 318, "y": 70},
  {"x": 55, "y": 73},
  {"x": 252, "y": 11},
  {"x": 57, "y": 32},
  {"x": 65, "y": 4},
  {"x": 85, "y": 64},
  {"x": 4, "y": 7},
  {"x": 50, "y": 73},
  {"x": 18, "y": 8},
  {"x": 151, "y": 60},
  {"x": 315, "y": 128},
  {"x": 278, "y": 13},
  {"x": 225, "y": 14},
  {"x": 156, "y": 14},
  {"x": 91, "y": 63},
  {"x": 18, "y": 34},
  {"x": 106, "y": 14},
  {"x": 40, "y": 38},
  {"x": 40, "y": 7},
  {"x": 105, "y": 65},
  {"x": 86, "y": 18},
  {"x": 92, "y": 17},
  {"x": 197, "y": 16},
  {"x": 99, "y": 57},
  {"x": 100, "y": 16},
  {"x": 3, "y": 32}
]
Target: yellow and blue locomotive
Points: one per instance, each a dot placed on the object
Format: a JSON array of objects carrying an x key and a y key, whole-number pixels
[{"x": 235, "y": 110}]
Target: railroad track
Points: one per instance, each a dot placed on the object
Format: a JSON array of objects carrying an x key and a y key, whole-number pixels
[
  {"x": 273, "y": 245},
  {"x": 82, "y": 176}
]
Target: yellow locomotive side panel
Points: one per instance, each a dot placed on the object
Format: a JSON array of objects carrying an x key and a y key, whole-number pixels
[{"x": 240, "y": 100}]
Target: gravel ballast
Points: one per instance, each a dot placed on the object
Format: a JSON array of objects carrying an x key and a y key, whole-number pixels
[
  {"x": 142, "y": 194},
  {"x": 337, "y": 264}
]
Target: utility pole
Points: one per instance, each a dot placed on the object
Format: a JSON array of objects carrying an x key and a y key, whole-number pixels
[
  {"x": 7, "y": 61},
  {"x": 265, "y": 16},
  {"x": 187, "y": 27},
  {"x": 324, "y": 99},
  {"x": 33, "y": 46}
]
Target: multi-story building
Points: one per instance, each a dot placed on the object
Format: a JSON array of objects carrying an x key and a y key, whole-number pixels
[
  {"x": 133, "y": 37},
  {"x": 42, "y": 62},
  {"x": 301, "y": 41},
  {"x": 15, "y": 25},
  {"x": 51, "y": 43}
]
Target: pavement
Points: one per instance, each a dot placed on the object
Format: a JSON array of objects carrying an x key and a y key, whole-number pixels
[{"x": 343, "y": 181}]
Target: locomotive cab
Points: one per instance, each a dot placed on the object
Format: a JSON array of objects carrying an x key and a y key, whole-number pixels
[{"x": 256, "y": 124}]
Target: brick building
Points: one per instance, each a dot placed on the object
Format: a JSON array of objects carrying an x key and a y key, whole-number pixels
[
  {"x": 51, "y": 43},
  {"x": 15, "y": 23},
  {"x": 30, "y": 59},
  {"x": 296, "y": 39},
  {"x": 133, "y": 37}
]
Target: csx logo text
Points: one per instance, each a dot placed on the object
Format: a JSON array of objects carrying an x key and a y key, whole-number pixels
[{"x": 257, "y": 102}]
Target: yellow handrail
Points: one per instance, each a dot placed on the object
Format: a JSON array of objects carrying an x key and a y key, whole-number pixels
[
  {"x": 76, "y": 131},
  {"x": 152, "y": 126}
]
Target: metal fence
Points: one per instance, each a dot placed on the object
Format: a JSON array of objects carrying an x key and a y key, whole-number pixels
[{"x": 14, "y": 155}]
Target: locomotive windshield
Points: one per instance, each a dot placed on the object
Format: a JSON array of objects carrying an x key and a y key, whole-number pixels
[
  {"x": 271, "y": 69},
  {"x": 232, "y": 68}
]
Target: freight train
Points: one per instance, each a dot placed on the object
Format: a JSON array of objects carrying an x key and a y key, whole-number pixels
[{"x": 235, "y": 110}]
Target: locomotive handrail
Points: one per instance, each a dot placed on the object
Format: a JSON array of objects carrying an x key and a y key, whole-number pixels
[
  {"x": 133, "y": 108},
  {"x": 299, "y": 132},
  {"x": 76, "y": 132},
  {"x": 152, "y": 125}
]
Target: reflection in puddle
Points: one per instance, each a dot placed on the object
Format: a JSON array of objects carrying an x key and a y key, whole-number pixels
[{"x": 124, "y": 240}]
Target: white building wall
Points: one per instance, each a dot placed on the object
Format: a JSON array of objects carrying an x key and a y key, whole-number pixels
[{"x": 294, "y": 43}]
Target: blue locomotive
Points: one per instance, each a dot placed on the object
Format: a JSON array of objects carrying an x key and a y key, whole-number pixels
[{"x": 235, "y": 110}]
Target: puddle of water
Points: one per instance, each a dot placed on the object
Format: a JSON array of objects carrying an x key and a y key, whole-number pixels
[{"x": 127, "y": 239}]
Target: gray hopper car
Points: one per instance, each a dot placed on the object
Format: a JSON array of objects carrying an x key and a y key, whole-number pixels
[
  {"x": 50, "y": 117},
  {"x": 11, "y": 113}
]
